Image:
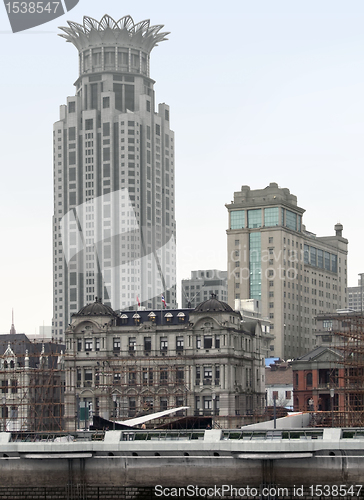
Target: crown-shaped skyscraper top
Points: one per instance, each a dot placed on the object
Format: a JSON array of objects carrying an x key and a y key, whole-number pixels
[{"x": 123, "y": 32}]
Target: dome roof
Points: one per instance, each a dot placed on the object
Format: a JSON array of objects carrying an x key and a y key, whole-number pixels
[
  {"x": 97, "y": 308},
  {"x": 213, "y": 305}
]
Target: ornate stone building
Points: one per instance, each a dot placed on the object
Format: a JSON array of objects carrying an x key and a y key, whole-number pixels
[{"x": 122, "y": 365}]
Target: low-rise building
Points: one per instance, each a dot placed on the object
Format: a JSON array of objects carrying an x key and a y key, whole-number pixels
[
  {"x": 126, "y": 364},
  {"x": 279, "y": 384},
  {"x": 31, "y": 384}
]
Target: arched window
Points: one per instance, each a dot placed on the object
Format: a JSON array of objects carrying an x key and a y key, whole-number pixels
[{"x": 309, "y": 379}]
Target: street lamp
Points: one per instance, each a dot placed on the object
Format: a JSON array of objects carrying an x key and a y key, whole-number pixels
[
  {"x": 114, "y": 411},
  {"x": 332, "y": 393}
]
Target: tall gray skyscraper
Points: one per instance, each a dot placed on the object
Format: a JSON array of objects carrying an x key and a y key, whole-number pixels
[{"x": 114, "y": 214}]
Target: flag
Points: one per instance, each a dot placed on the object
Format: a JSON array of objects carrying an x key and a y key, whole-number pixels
[
  {"x": 138, "y": 301},
  {"x": 164, "y": 301}
]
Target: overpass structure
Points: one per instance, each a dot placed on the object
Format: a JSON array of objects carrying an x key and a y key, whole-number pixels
[{"x": 157, "y": 463}]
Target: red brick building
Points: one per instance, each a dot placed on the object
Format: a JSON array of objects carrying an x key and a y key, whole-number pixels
[{"x": 319, "y": 376}]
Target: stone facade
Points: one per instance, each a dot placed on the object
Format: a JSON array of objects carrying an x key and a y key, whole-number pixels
[
  {"x": 294, "y": 273},
  {"x": 123, "y": 365}
]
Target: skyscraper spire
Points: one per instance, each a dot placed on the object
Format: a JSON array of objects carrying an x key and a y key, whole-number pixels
[{"x": 12, "y": 329}]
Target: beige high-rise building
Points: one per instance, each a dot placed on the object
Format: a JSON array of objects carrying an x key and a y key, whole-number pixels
[{"x": 294, "y": 273}]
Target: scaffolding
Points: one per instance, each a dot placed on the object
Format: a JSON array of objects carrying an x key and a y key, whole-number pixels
[
  {"x": 117, "y": 388},
  {"x": 349, "y": 335},
  {"x": 31, "y": 385}
]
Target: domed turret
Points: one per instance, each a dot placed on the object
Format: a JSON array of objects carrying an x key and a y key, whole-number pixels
[
  {"x": 213, "y": 305},
  {"x": 97, "y": 308}
]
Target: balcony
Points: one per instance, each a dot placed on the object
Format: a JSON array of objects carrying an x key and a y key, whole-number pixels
[{"x": 207, "y": 381}]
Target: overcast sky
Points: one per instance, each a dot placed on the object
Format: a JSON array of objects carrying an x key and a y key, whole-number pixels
[{"x": 260, "y": 91}]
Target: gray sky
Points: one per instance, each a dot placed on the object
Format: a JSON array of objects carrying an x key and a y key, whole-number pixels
[{"x": 260, "y": 91}]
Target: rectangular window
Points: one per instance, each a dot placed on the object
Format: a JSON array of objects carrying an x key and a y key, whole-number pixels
[
  {"x": 132, "y": 344},
  {"x": 129, "y": 97},
  {"x": 89, "y": 124},
  {"x": 180, "y": 376},
  {"x": 72, "y": 107},
  {"x": 271, "y": 217},
  {"x": 327, "y": 261},
  {"x": 237, "y": 219},
  {"x": 313, "y": 256},
  {"x": 132, "y": 376},
  {"x": 207, "y": 341},
  {"x": 255, "y": 265},
  {"x": 4, "y": 386},
  {"x": 106, "y": 102},
  {"x": 72, "y": 134},
  {"x": 217, "y": 341},
  {"x": 255, "y": 218},
  {"x": 116, "y": 344},
  {"x": 72, "y": 157},
  {"x": 106, "y": 129},
  {"x": 164, "y": 343},
  {"x": 163, "y": 376},
  {"x": 88, "y": 344},
  {"x": 179, "y": 344},
  {"x": 147, "y": 344},
  {"x": 291, "y": 220}
]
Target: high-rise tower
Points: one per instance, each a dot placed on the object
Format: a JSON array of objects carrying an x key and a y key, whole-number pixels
[
  {"x": 273, "y": 259},
  {"x": 114, "y": 214}
]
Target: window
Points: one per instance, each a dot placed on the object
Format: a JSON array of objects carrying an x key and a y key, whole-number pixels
[
  {"x": 89, "y": 124},
  {"x": 88, "y": 377},
  {"x": 88, "y": 344},
  {"x": 275, "y": 395},
  {"x": 255, "y": 218},
  {"x": 198, "y": 375},
  {"x": 106, "y": 102},
  {"x": 237, "y": 220},
  {"x": 207, "y": 341},
  {"x": 132, "y": 376},
  {"x": 163, "y": 404},
  {"x": 163, "y": 376},
  {"x": 288, "y": 394},
  {"x": 132, "y": 344},
  {"x": 291, "y": 220},
  {"x": 116, "y": 344},
  {"x": 147, "y": 344},
  {"x": 164, "y": 343},
  {"x": 198, "y": 342},
  {"x": 217, "y": 341},
  {"x": 72, "y": 107},
  {"x": 179, "y": 344},
  {"x": 309, "y": 379},
  {"x": 97, "y": 344},
  {"x": 271, "y": 218},
  {"x": 4, "y": 386},
  {"x": 180, "y": 376},
  {"x": 217, "y": 375}
]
